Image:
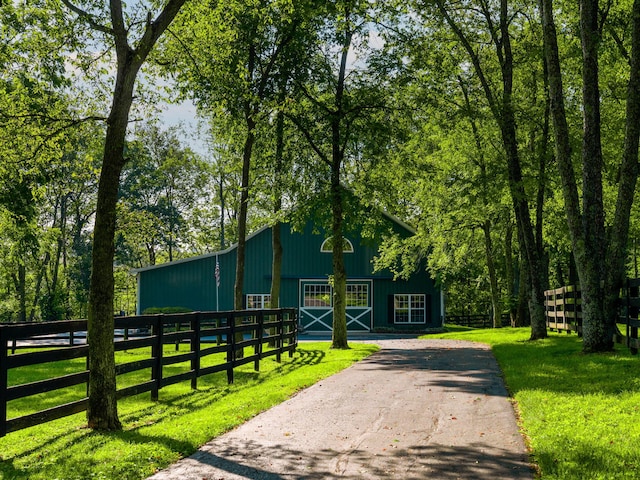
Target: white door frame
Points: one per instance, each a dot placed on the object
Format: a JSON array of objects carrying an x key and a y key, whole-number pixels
[{"x": 318, "y": 314}]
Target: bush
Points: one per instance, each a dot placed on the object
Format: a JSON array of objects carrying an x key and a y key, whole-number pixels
[{"x": 156, "y": 310}]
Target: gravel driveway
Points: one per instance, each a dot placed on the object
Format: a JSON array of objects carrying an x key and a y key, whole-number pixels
[{"x": 417, "y": 409}]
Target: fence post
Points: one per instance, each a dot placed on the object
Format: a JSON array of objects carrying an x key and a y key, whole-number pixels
[
  {"x": 195, "y": 348},
  {"x": 231, "y": 346},
  {"x": 280, "y": 339},
  {"x": 157, "y": 353},
  {"x": 257, "y": 350},
  {"x": 3, "y": 381},
  {"x": 294, "y": 330}
]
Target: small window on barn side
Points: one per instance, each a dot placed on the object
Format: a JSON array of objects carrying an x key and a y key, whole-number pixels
[
  {"x": 258, "y": 301},
  {"x": 327, "y": 246},
  {"x": 409, "y": 308}
]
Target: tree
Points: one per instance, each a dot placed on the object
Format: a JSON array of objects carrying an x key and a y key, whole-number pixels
[
  {"x": 38, "y": 128},
  {"x": 102, "y": 407},
  {"x": 161, "y": 186},
  {"x": 234, "y": 52},
  {"x": 600, "y": 256},
  {"x": 502, "y": 107},
  {"x": 330, "y": 102}
]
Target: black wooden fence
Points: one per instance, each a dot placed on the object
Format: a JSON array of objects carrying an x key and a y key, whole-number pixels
[
  {"x": 564, "y": 312},
  {"x": 269, "y": 332},
  {"x": 477, "y": 320}
]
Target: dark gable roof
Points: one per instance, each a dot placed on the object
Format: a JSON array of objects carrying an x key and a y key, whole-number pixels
[{"x": 251, "y": 235}]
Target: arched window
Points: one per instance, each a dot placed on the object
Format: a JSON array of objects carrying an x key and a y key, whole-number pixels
[{"x": 327, "y": 246}]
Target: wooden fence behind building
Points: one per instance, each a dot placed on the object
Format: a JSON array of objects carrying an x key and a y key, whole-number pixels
[
  {"x": 477, "y": 320},
  {"x": 563, "y": 309}
]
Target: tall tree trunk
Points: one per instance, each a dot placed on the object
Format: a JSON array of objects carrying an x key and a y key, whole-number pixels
[
  {"x": 600, "y": 264},
  {"x": 20, "y": 282},
  {"x": 222, "y": 209},
  {"x": 276, "y": 241},
  {"x": 510, "y": 268},
  {"x": 250, "y": 123},
  {"x": 597, "y": 335},
  {"x": 503, "y": 113},
  {"x": 102, "y": 411},
  {"x": 339, "y": 336},
  {"x": 496, "y": 304},
  {"x": 516, "y": 183},
  {"x": 619, "y": 231},
  {"x": 242, "y": 216}
]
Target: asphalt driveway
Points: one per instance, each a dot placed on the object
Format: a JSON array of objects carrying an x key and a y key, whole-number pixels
[{"x": 416, "y": 409}]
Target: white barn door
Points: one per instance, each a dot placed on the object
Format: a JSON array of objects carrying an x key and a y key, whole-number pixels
[{"x": 316, "y": 305}]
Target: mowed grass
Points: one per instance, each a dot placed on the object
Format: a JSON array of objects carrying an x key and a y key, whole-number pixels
[
  {"x": 156, "y": 434},
  {"x": 580, "y": 413}
]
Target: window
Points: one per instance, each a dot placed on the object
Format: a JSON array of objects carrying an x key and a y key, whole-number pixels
[
  {"x": 258, "y": 301},
  {"x": 327, "y": 246},
  {"x": 409, "y": 308},
  {"x": 357, "y": 295},
  {"x": 317, "y": 295}
]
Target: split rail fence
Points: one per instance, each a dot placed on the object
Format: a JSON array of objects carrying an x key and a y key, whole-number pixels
[
  {"x": 563, "y": 310},
  {"x": 207, "y": 334},
  {"x": 477, "y": 320}
]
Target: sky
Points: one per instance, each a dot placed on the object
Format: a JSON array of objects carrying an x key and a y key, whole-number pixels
[{"x": 184, "y": 115}]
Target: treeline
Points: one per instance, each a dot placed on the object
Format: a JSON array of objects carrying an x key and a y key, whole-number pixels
[{"x": 504, "y": 132}]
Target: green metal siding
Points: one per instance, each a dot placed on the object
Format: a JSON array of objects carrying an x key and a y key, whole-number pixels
[{"x": 191, "y": 283}]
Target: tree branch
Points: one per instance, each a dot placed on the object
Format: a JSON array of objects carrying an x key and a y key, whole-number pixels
[
  {"x": 309, "y": 138},
  {"x": 87, "y": 17}
]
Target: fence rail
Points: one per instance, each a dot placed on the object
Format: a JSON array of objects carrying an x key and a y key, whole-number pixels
[
  {"x": 563, "y": 310},
  {"x": 205, "y": 333},
  {"x": 477, "y": 321}
]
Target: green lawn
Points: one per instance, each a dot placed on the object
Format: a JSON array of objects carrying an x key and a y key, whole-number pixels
[
  {"x": 156, "y": 434},
  {"x": 580, "y": 413}
]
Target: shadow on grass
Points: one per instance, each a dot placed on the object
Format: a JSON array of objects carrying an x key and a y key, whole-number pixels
[
  {"x": 557, "y": 364},
  {"x": 212, "y": 389},
  {"x": 580, "y": 459}
]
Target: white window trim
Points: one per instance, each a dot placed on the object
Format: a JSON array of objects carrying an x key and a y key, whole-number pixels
[
  {"x": 347, "y": 247},
  {"x": 265, "y": 298},
  {"x": 318, "y": 307},
  {"x": 409, "y": 295}
]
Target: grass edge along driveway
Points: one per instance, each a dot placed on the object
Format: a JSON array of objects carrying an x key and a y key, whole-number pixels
[
  {"x": 579, "y": 413},
  {"x": 157, "y": 434}
]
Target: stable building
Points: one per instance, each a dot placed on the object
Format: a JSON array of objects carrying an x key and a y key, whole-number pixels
[{"x": 374, "y": 300}]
